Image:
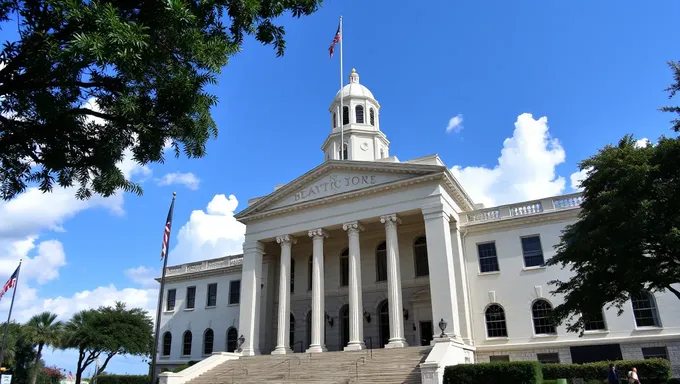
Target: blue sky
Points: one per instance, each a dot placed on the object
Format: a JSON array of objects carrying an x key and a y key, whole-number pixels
[{"x": 595, "y": 70}]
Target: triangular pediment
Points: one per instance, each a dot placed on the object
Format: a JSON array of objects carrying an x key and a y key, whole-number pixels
[{"x": 336, "y": 178}]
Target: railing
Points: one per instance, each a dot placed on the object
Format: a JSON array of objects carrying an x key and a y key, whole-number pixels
[
  {"x": 370, "y": 346},
  {"x": 356, "y": 365},
  {"x": 527, "y": 208},
  {"x": 233, "y": 373},
  {"x": 296, "y": 343},
  {"x": 288, "y": 361},
  {"x": 223, "y": 262}
]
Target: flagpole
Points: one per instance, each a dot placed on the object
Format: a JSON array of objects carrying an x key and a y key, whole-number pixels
[
  {"x": 160, "y": 304},
  {"x": 9, "y": 315},
  {"x": 342, "y": 109}
]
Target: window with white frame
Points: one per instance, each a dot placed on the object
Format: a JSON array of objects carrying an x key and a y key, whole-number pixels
[
  {"x": 495, "y": 321},
  {"x": 234, "y": 292},
  {"x": 488, "y": 259},
  {"x": 541, "y": 312},
  {"x": 644, "y": 310},
  {"x": 532, "y": 251}
]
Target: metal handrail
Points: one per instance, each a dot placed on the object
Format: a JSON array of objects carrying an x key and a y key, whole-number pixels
[
  {"x": 287, "y": 361},
  {"x": 301, "y": 346},
  {"x": 356, "y": 364},
  {"x": 370, "y": 345}
]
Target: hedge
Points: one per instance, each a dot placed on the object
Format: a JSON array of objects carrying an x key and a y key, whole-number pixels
[
  {"x": 650, "y": 371},
  {"x": 123, "y": 379},
  {"x": 519, "y": 372}
]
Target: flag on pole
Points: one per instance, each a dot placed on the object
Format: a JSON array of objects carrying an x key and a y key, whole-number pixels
[
  {"x": 336, "y": 39},
  {"x": 10, "y": 283},
  {"x": 166, "y": 231}
]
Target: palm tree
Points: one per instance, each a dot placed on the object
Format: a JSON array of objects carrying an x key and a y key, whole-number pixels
[{"x": 41, "y": 330}]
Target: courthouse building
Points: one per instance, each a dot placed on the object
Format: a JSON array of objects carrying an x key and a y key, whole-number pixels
[{"x": 375, "y": 252}]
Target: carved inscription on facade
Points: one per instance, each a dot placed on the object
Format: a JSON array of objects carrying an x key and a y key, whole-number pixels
[{"x": 335, "y": 184}]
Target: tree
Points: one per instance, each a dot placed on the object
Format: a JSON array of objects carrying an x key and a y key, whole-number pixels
[
  {"x": 672, "y": 90},
  {"x": 19, "y": 353},
  {"x": 89, "y": 81},
  {"x": 106, "y": 332},
  {"x": 43, "y": 329}
]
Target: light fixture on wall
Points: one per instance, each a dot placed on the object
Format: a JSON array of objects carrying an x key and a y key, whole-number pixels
[
  {"x": 414, "y": 327},
  {"x": 329, "y": 319},
  {"x": 442, "y": 326},
  {"x": 367, "y": 316},
  {"x": 405, "y": 314}
]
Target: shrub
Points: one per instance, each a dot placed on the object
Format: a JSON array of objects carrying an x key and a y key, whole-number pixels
[
  {"x": 123, "y": 379},
  {"x": 518, "y": 372},
  {"x": 652, "y": 371}
]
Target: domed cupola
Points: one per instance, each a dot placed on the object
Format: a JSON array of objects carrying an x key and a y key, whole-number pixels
[{"x": 362, "y": 137}]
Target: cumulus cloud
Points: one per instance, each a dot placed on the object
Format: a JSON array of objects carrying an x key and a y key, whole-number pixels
[
  {"x": 577, "y": 177},
  {"x": 455, "y": 124},
  {"x": 143, "y": 276},
  {"x": 188, "y": 179},
  {"x": 210, "y": 233},
  {"x": 525, "y": 168},
  {"x": 642, "y": 142}
]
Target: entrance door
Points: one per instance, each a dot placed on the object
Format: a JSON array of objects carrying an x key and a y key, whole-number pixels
[
  {"x": 425, "y": 333},
  {"x": 384, "y": 323},
  {"x": 344, "y": 326}
]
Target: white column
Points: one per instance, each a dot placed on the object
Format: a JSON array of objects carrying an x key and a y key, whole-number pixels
[
  {"x": 318, "y": 308},
  {"x": 460, "y": 268},
  {"x": 283, "y": 337},
  {"x": 440, "y": 260},
  {"x": 356, "y": 307},
  {"x": 249, "y": 317},
  {"x": 394, "y": 303}
]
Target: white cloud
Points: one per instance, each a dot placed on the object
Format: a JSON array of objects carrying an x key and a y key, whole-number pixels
[
  {"x": 642, "y": 142},
  {"x": 455, "y": 124},
  {"x": 577, "y": 177},
  {"x": 143, "y": 276},
  {"x": 210, "y": 233},
  {"x": 188, "y": 179},
  {"x": 525, "y": 169}
]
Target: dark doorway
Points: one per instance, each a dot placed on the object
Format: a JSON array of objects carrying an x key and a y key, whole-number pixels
[
  {"x": 384, "y": 323},
  {"x": 594, "y": 353},
  {"x": 344, "y": 326},
  {"x": 425, "y": 333}
]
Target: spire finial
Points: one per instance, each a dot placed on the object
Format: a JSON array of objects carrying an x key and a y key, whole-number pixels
[{"x": 354, "y": 77}]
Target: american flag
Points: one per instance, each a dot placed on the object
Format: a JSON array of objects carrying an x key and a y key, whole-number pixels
[
  {"x": 336, "y": 39},
  {"x": 10, "y": 283},
  {"x": 166, "y": 230}
]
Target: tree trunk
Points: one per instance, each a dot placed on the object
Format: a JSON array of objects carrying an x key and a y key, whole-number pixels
[{"x": 34, "y": 375}]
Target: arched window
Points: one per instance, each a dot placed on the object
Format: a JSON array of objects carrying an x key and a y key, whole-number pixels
[
  {"x": 495, "y": 321},
  {"x": 543, "y": 324},
  {"x": 381, "y": 262},
  {"x": 345, "y": 115},
  {"x": 359, "y": 112},
  {"x": 344, "y": 268},
  {"x": 343, "y": 155},
  {"x": 309, "y": 328},
  {"x": 371, "y": 115},
  {"x": 208, "y": 339},
  {"x": 292, "y": 275},
  {"x": 344, "y": 326},
  {"x": 232, "y": 339},
  {"x": 384, "y": 323},
  {"x": 309, "y": 273},
  {"x": 644, "y": 310},
  {"x": 420, "y": 256},
  {"x": 335, "y": 120},
  {"x": 291, "y": 332},
  {"x": 186, "y": 344},
  {"x": 167, "y": 343}
]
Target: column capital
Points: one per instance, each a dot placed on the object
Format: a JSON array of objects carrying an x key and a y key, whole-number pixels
[
  {"x": 251, "y": 246},
  {"x": 286, "y": 240},
  {"x": 436, "y": 211},
  {"x": 352, "y": 227},
  {"x": 318, "y": 233},
  {"x": 390, "y": 220}
]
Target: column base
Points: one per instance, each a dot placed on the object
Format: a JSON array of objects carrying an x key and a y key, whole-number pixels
[
  {"x": 316, "y": 349},
  {"x": 396, "y": 343},
  {"x": 250, "y": 352},
  {"x": 355, "y": 346},
  {"x": 282, "y": 351}
]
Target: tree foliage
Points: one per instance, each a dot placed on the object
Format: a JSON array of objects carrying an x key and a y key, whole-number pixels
[
  {"x": 41, "y": 330},
  {"x": 672, "y": 91},
  {"x": 106, "y": 332},
  {"x": 627, "y": 237},
  {"x": 89, "y": 80},
  {"x": 19, "y": 353}
]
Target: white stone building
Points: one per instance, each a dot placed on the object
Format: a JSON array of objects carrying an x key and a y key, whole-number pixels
[{"x": 375, "y": 252}]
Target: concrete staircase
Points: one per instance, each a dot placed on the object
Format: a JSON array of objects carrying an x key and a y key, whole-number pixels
[{"x": 399, "y": 365}]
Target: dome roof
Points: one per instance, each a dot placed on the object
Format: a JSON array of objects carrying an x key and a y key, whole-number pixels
[{"x": 354, "y": 89}]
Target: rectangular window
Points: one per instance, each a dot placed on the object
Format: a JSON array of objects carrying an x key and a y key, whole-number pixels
[
  {"x": 170, "y": 300},
  {"x": 191, "y": 298},
  {"x": 499, "y": 358},
  {"x": 548, "y": 358},
  {"x": 595, "y": 323},
  {"x": 655, "y": 353},
  {"x": 488, "y": 259},
  {"x": 344, "y": 270},
  {"x": 212, "y": 295},
  {"x": 532, "y": 251},
  {"x": 234, "y": 291}
]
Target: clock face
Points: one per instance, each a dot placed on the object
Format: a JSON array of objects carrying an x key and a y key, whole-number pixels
[{"x": 364, "y": 146}]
